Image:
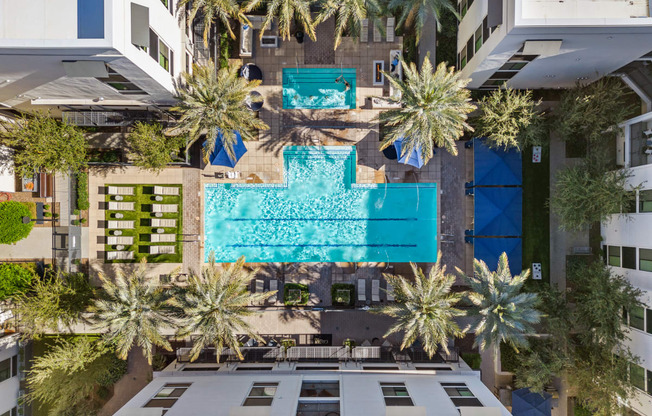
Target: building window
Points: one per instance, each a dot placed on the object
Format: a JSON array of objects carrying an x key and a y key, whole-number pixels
[
  {"x": 629, "y": 258},
  {"x": 630, "y": 206},
  {"x": 12, "y": 412},
  {"x": 649, "y": 382},
  {"x": 120, "y": 83},
  {"x": 90, "y": 19},
  {"x": 318, "y": 408},
  {"x": 463, "y": 58},
  {"x": 637, "y": 376},
  {"x": 614, "y": 256},
  {"x": 461, "y": 395},
  {"x": 637, "y": 318},
  {"x": 648, "y": 322},
  {"x": 645, "y": 201},
  {"x": 469, "y": 49},
  {"x": 167, "y": 396},
  {"x": 169, "y": 4},
  {"x": 478, "y": 39},
  {"x": 320, "y": 389},
  {"x": 396, "y": 394},
  {"x": 319, "y": 398},
  {"x": 163, "y": 55},
  {"x": 645, "y": 259},
  {"x": 261, "y": 394},
  {"x": 5, "y": 369}
]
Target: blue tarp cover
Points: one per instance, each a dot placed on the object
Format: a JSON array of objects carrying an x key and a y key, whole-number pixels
[
  {"x": 498, "y": 211},
  {"x": 527, "y": 403},
  {"x": 219, "y": 157},
  {"x": 490, "y": 249},
  {"x": 495, "y": 166},
  {"x": 414, "y": 158}
]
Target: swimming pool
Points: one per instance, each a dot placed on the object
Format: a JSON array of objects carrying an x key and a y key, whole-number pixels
[
  {"x": 321, "y": 214},
  {"x": 315, "y": 88}
]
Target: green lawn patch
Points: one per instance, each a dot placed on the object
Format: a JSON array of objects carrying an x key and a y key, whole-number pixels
[
  {"x": 142, "y": 214},
  {"x": 536, "y": 217},
  {"x": 295, "y": 294},
  {"x": 342, "y": 294},
  {"x": 12, "y": 228}
]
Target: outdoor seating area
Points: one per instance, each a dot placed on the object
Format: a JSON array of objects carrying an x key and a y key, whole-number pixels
[{"x": 143, "y": 221}]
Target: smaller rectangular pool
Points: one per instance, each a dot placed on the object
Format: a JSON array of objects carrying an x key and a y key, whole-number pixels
[{"x": 315, "y": 88}]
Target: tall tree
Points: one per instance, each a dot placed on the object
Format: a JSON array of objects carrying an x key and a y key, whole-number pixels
[
  {"x": 224, "y": 10},
  {"x": 150, "y": 148},
  {"x": 43, "y": 143},
  {"x": 433, "y": 113},
  {"x": 286, "y": 11},
  {"x": 424, "y": 309},
  {"x": 212, "y": 103},
  {"x": 415, "y": 12},
  {"x": 505, "y": 313},
  {"x": 213, "y": 305},
  {"x": 349, "y": 15},
  {"x": 133, "y": 310},
  {"x": 510, "y": 119}
]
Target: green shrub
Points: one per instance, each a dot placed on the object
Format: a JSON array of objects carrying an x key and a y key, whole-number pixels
[
  {"x": 290, "y": 296},
  {"x": 14, "y": 279},
  {"x": 116, "y": 370},
  {"x": 473, "y": 359},
  {"x": 12, "y": 228},
  {"x": 342, "y": 294},
  {"x": 225, "y": 52},
  {"x": 159, "y": 362},
  {"x": 508, "y": 358},
  {"x": 47, "y": 214},
  {"x": 76, "y": 212},
  {"x": 82, "y": 191},
  {"x": 46, "y": 207},
  {"x": 579, "y": 410},
  {"x": 82, "y": 220}
]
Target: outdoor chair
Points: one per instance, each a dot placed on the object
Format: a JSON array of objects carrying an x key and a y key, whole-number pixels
[
  {"x": 121, "y": 190},
  {"x": 364, "y": 31},
  {"x": 119, "y": 255},
  {"x": 390, "y": 293},
  {"x": 166, "y": 190},
  {"x": 375, "y": 290},
  {"x": 163, "y": 222},
  {"x": 166, "y": 208},
  {"x": 273, "y": 286},
  {"x": 121, "y": 225},
  {"x": 162, "y": 249},
  {"x": 390, "y": 29},
  {"x": 377, "y": 35},
  {"x": 163, "y": 238},
  {"x": 362, "y": 288},
  {"x": 260, "y": 286},
  {"x": 123, "y": 240},
  {"x": 121, "y": 206}
]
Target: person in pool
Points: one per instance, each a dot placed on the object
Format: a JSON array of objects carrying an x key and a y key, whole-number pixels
[{"x": 339, "y": 79}]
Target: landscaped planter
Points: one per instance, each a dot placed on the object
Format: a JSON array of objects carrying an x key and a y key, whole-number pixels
[
  {"x": 295, "y": 294},
  {"x": 343, "y": 295}
]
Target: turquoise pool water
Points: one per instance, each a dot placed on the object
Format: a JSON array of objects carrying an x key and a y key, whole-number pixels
[
  {"x": 321, "y": 214},
  {"x": 315, "y": 88}
]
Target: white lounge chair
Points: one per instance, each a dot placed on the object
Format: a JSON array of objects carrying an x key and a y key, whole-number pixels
[
  {"x": 165, "y": 208},
  {"x": 390, "y": 29},
  {"x": 362, "y": 288},
  {"x": 396, "y": 71},
  {"x": 121, "y": 206},
  {"x": 364, "y": 31},
  {"x": 121, "y": 190},
  {"x": 246, "y": 40},
  {"x": 375, "y": 290},
  {"x": 260, "y": 286},
  {"x": 162, "y": 249},
  {"x": 164, "y": 222},
  {"x": 119, "y": 255},
  {"x": 377, "y": 35},
  {"x": 121, "y": 225},
  {"x": 390, "y": 293},
  {"x": 123, "y": 240},
  {"x": 166, "y": 190},
  {"x": 273, "y": 287},
  {"x": 163, "y": 238}
]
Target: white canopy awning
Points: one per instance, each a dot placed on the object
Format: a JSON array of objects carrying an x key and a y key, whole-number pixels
[{"x": 7, "y": 177}]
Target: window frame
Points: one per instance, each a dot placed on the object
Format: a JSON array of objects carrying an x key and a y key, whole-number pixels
[
  {"x": 397, "y": 398},
  {"x": 645, "y": 255},
  {"x": 264, "y": 385},
  {"x": 460, "y": 385},
  {"x": 167, "y": 399},
  {"x": 611, "y": 256},
  {"x": 626, "y": 259},
  {"x": 644, "y": 204}
]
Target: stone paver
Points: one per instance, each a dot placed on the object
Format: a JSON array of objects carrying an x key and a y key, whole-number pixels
[
  {"x": 139, "y": 373},
  {"x": 37, "y": 245}
]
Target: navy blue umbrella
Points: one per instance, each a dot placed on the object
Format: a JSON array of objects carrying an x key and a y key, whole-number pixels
[
  {"x": 220, "y": 157},
  {"x": 414, "y": 158}
]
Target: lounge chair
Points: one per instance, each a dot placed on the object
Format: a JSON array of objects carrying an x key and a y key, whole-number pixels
[
  {"x": 123, "y": 240},
  {"x": 377, "y": 35},
  {"x": 163, "y": 222},
  {"x": 162, "y": 249},
  {"x": 166, "y": 190},
  {"x": 121, "y": 206},
  {"x": 364, "y": 31},
  {"x": 273, "y": 287},
  {"x": 396, "y": 71},
  {"x": 390, "y": 293},
  {"x": 165, "y": 208},
  {"x": 246, "y": 40},
  {"x": 390, "y": 29},
  {"x": 362, "y": 288},
  {"x": 121, "y": 190},
  {"x": 260, "y": 286},
  {"x": 119, "y": 255},
  {"x": 163, "y": 238},
  {"x": 375, "y": 290},
  {"x": 121, "y": 225}
]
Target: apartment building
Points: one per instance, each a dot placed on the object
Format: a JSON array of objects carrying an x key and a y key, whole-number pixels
[
  {"x": 315, "y": 381},
  {"x": 81, "y": 54},
  {"x": 528, "y": 44},
  {"x": 9, "y": 372},
  {"x": 627, "y": 246}
]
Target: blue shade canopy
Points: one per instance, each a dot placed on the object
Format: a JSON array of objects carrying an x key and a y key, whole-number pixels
[
  {"x": 498, "y": 212},
  {"x": 220, "y": 157},
  {"x": 496, "y": 166},
  {"x": 413, "y": 159},
  {"x": 490, "y": 249},
  {"x": 527, "y": 403}
]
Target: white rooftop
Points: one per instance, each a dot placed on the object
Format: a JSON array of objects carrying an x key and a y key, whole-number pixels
[{"x": 584, "y": 9}]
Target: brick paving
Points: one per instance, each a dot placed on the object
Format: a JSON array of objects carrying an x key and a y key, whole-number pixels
[{"x": 192, "y": 224}]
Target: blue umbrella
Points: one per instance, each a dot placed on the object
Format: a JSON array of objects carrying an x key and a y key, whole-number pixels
[
  {"x": 414, "y": 158},
  {"x": 220, "y": 157},
  {"x": 527, "y": 403}
]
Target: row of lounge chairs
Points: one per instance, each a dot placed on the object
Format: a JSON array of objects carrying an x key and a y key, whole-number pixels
[
  {"x": 390, "y": 31},
  {"x": 129, "y": 190},
  {"x": 130, "y": 224},
  {"x": 273, "y": 286},
  {"x": 375, "y": 291}
]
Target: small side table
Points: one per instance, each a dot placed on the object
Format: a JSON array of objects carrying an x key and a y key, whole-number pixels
[
  {"x": 118, "y": 198},
  {"x": 119, "y": 247},
  {"x": 119, "y": 215},
  {"x": 158, "y": 214},
  {"x": 160, "y": 230},
  {"x": 117, "y": 232},
  {"x": 158, "y": 198}
]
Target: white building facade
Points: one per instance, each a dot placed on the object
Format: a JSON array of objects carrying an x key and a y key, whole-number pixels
[
  {"x": 76, "y": 53},
  {"x": 528, "y": 44},
  {"x": 9, "y": 375}
]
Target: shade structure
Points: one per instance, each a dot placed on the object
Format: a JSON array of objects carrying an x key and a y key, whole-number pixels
[
  {"x": 527, "y": 403},
  {"x": 496, "y": 166},
  {"x": 490, "y": 249},
  {"x": 251, "y": 72},
  {"x": 220, "y": 157},
  {"x": 414, "y": 158},
  {"x": 498, "y": 211}
]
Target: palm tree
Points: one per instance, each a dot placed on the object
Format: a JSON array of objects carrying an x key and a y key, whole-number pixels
[
  {"x": 133, "y": 311},
  {"x": 415, "y": 12},
  {"x": 506, "y": 314},
  {"x": 286, "y": 11},
  {"x": 213, "y": 103},
  {"x": 433, "y": 113},
  {"x": 214, "y": 304},
  {"x": 214, "y": 9},
  {"x": 425, "y": 308},
  {"x": 350, "y": 14}
]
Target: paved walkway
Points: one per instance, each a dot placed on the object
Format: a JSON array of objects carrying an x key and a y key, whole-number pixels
[
  {"x": 38, "y": 244},
  {"x": 139, "y": 373}
]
